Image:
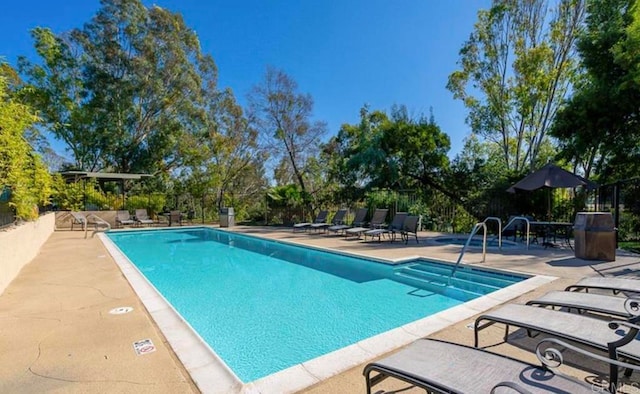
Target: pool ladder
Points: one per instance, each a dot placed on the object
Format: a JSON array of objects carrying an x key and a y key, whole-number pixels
[{"x": 483, "y": 225}]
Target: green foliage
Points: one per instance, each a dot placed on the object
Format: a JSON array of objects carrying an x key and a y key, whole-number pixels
[
  {"x": 153, "y": 203},
  {"x": 396, "y": 153},
  {"x": 21, "y": 169},
  {"x": 599, "y": 128},
  {"x": 516, "y": 69},
  {"x": 68, "y": 196}
]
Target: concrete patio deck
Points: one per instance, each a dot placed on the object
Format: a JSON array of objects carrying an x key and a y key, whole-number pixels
[{"x": 57, "y": 335}]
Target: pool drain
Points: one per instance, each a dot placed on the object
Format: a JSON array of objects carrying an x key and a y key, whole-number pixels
[{"x": 121, "y": 310}]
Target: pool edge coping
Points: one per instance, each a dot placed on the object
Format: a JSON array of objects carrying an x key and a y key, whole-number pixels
[{"x": 212, "y": 375}]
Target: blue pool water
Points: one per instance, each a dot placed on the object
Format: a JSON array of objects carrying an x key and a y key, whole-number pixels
[{"x": 264, "y": 306}]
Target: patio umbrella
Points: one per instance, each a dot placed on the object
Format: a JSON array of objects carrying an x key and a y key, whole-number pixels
[
  {"x": 553, "y": 177},
  {"x": 550, "y": 176}
]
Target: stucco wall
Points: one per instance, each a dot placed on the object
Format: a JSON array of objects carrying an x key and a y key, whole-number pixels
[{"x": 20, "y": 244}]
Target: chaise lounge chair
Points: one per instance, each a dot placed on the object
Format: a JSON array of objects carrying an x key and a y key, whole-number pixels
[
  {"x": 616, "y": 285},
  {"x": 392, "y": 230},
  {"x": 78, "y": 218},
  {"x": 337, "y": 219},
  {"x": 124, "y": 219},
  {"x": 320, "y": 218},
  {"x": 142, "y": 217},
  {"x": 589, "y": 302},
  {"x": 595, "y": 333},
  {"x": 444, "y": 367},
  {"x": 358, "y": 221},
  {"x": 409, "y": 227},
  {"x": 377, "y": 221}
]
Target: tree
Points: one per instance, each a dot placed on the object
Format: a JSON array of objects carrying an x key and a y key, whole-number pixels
[
  {"x": 517, "y": 67},
  {"x": 123, "y": 90},
  {"x": 21, "y": 169},
  {"x": 394, "y": 152},
  {"x": 283, "y": 118},
  {"x": 599, "y": 129},
  {"x": 226, "y": 159}
]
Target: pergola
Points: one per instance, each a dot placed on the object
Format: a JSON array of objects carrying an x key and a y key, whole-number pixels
[{"x": 102, "y": 177}]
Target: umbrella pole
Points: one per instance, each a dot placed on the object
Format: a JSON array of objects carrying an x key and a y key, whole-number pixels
[{"x": 549, "y": 205}]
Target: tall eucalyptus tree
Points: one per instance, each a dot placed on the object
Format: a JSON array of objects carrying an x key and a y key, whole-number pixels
[
  {"x": 124, "y": 88},
  {"x": 517, "y": 67}
]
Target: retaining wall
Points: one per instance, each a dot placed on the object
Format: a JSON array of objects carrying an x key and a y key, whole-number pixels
[{"x": 20, "y": 244}]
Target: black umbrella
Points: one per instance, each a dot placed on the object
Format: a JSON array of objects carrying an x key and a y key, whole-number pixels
[{"x": 553, "y": 177}]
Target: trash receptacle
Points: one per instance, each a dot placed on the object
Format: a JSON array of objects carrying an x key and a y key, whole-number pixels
[
  {"x": 594, "y": 236},
  {"x": 227, "y": 217}
]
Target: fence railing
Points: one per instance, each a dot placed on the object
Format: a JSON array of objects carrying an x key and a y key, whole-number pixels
[{"x": 7, "y": 216}]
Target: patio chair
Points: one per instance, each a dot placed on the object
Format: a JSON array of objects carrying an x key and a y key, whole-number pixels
[
  {"x": 124, "y": 219},
  {"x": 320, "y": 218},
  {"x": 616, "y": 285},
  {"x": 409, "y": 227},
  {"x": 142, "y": 217},
  {"x": 175, "y": 217},
  {"x": 377, "y": 221},
  {"x": 589, "y": 302},
  {"x": 603, "y": 335},
  {"x": 337, "y": 219},
  {"x": 444, "y": 367},
  {"x": 396, "y": 226},
  {"x": 358, "y": 221}
]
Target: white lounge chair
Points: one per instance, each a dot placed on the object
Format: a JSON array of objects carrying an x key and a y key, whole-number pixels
[
  {"x": 590, "y": 302},
  {"x": 142, "y": 217},
  {"x": 607, "y": 336},
  {"x": 444, "y": 367},
  {"x": 616, "y": 284}
]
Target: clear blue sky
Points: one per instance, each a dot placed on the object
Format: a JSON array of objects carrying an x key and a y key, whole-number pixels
[{"x": 345, "y": 53}]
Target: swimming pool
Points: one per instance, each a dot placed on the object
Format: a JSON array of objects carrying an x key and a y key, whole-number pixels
[{"x": 264, "y": 306}]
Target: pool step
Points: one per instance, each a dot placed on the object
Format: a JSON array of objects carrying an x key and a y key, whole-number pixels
[
  {"x": 466, "y": 274},
  {"x": 438, "y": 287},
  {"x": 467, "y": 285}
]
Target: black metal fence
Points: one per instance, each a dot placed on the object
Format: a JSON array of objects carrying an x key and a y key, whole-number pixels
[{"x": 622, "y": 199}]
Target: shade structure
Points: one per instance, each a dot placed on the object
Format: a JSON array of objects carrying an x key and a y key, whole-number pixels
[{"x": 550, "y": 176}]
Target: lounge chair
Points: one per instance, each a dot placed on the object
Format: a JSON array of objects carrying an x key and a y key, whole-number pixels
[
  {"x": 377, "y": 221},
  {"x": 588, "y": 331},
  {"x": 78, "y": 218},
  {"x": 320, "y": 218},
  {"x": 142, "y": 217},
  {"x": 337, "y": 219},
  {"x": 444, "y": 367},
  {"x": 358, "y": 221},
  {"x": 616, "y": 285},
  {"x": 589, "y": 302},
  {"x": 396, "y": 226},
  {"x": 124, "y": 219},
  {"x": 409, "y": 227}
]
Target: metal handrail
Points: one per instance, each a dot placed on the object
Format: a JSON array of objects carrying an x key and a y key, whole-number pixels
[
  {"x": 526, "y": 220},
  {"x": 100, "y": 225},
  {"x": 474, "y": 231},
  {"x": 499, "y": 228}
]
